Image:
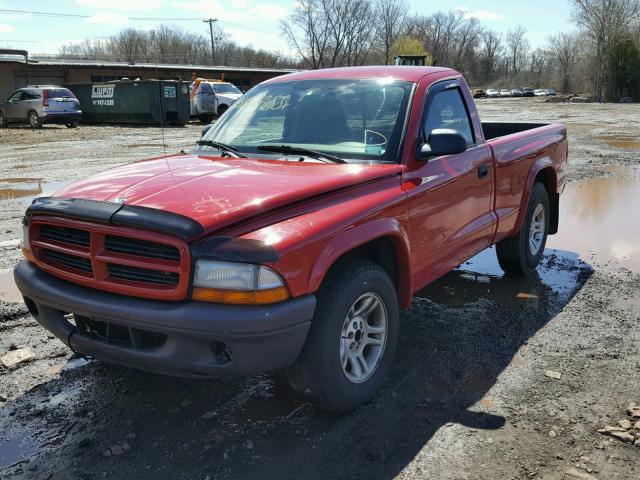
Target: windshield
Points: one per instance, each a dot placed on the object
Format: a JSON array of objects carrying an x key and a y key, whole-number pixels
[
  {"x": 352, "y": 119},
  {"x": 225, "y": 88}
]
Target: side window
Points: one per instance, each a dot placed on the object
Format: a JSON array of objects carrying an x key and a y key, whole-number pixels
[
  {"x": 448, "y": 111},
  {"x": 15, "y": 96},
  {"x": 30, "y": 96}
]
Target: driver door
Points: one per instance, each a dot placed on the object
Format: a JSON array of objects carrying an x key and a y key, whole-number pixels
[
  {"x": 12, "y": 105},
  {"x": 451, "y": 203}
]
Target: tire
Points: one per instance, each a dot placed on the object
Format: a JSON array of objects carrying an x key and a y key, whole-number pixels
[
  {"x": 73, "y": 124},
  {"x": 319, "y": 372},
  {"x": 3, "y": 120},
  {"x": 34, "y": 120},
  {"x": 205, "y": 118},
  {"x": 222, "y": 109},
  {"x": 517, "y": 255}
]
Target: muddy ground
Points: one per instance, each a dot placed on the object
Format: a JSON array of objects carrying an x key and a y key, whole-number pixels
[{"x": 467, "y": 398}]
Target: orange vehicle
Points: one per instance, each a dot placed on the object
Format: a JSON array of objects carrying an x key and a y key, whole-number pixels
[{"x": 294, "y": 231}]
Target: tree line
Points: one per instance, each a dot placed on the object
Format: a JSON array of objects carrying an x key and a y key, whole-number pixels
[
  {"x": 600, "y": 58},
  {"x": 172, "y": 45}
]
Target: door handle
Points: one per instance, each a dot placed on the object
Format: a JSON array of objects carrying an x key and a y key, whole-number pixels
[{"x": 483, "y": 171}]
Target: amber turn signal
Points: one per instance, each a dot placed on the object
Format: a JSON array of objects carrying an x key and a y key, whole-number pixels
[{"x": 240, "y": 297}]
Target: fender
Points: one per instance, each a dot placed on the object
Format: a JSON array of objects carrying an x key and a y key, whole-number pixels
[
  {"x": 539, "y": 165},
  {"x": 350, "y": 239}
]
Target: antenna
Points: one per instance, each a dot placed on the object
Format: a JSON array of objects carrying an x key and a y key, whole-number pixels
[{"x": 164, "y": 144}]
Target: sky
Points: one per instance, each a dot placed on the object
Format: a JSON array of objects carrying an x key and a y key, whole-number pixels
[{"x": 248, "y": 22}]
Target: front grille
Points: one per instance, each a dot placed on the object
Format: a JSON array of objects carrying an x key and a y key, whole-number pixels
[
  {"x": 121, "y": 260},
  {"x": 72, "y": 261},
  {"x": 73, "y": 236},
  {"x": 125, "y": 272},
  {"x": 142, "y": 248},
  {"x": 119, "y": 335}
]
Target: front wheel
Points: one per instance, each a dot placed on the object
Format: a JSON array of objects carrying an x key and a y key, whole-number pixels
[
  {"x": 3, "y": 120},
  {"x": 352, "y": 340},
  {"x": 72, "y": 124},
  {"x": 521, "y": 254}
]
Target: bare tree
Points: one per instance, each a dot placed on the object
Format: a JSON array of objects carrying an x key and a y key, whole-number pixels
[
  {"x": 490, "y": 51},
  {"x": 566, "y": 50},
  {"x": 602, "y": 21},
  {"x": 390, "y": 15},
  {"x": 518, "y": 48}
]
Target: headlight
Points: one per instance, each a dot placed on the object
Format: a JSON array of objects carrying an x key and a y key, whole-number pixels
[
  {"x": 239, "y": 283},
  {"x": 24, "y": 242}
]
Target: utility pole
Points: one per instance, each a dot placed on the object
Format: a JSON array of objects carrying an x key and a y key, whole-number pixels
[{"x": 210, "y": 21}]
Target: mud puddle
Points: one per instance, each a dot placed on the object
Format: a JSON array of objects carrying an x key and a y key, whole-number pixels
[
  {"x": 620, "y": 142},
  {"x": 480, "y": 278},
  {"x": 27, "y": 189},
  {"x": 15, "y": 448},
  {"x": 599, "y": 218}
]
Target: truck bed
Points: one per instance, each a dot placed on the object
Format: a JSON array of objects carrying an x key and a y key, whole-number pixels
[{"x": 500, "y": 129}]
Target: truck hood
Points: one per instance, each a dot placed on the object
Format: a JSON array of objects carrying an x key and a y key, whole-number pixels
[{"x": 217, "y": 192}]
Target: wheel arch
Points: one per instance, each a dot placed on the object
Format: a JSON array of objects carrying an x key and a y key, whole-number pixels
[
  {"x": 545, "y": 173},
  {"x": 382, "y": 242}
]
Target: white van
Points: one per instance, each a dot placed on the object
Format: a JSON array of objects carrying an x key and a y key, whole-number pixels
[{"x": 211, "y": 97}]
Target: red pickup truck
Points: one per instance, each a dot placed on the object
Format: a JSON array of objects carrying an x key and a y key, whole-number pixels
[{"x": 293, "y": 233}]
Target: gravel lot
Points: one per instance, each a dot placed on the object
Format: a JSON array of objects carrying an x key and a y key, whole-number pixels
[{"x": 495, "y": 377}]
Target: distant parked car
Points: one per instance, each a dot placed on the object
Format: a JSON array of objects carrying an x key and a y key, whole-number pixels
[
  {"x": 37, "y": 105},
  {"x": 505, "y": 92},
  {"x": 516, "y": 92},
  {"x": 492, "y": 92},
  {"x": 540, "y": 92},
  {"x": 527, "y": 92},
  {"x": 479, "y": 93},
  {"x": 212, "y": 97},
  {"x": 550, "y": 91}
]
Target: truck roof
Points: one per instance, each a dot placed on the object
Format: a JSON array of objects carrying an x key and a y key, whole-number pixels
[{"x": 405, "y": 73}]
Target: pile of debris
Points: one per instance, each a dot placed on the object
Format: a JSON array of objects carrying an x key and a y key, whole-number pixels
[
  {"x": 628, "y": 429},
  {"x": 571, "y": 98}
]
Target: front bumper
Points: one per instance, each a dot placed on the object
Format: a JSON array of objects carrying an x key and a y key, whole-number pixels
[{"x": 252, "y": 339}]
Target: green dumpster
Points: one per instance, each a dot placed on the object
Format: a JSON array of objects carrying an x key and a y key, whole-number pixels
[{"x": 159, "y": 102}]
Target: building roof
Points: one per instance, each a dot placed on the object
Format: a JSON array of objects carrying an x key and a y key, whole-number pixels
[{"x": 34, "y": 62}]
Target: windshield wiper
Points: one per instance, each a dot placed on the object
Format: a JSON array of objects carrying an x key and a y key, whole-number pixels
[
  {"x": 223, "y": 147},
  {"x": 288, "y": 149}
]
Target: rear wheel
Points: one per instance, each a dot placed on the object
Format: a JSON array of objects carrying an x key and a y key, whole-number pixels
[
  {"x": 522, "y": 253},
  {"x": 34, "y": 119},
  {"x": 222, "y": 109},
  {"x": 352, "y": 340},
  {"x": 3, "y": 120}
]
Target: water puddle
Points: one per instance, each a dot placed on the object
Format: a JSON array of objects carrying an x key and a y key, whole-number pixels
[
  {"x": 599, "y": 218},
  {"x": 620, "y": 141},
  {"x": 27, "y": 188},
  {"x": 15, "y": 449},
  {"x": 558, "y": 277}
]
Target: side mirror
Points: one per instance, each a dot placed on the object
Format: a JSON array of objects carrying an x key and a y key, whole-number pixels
[
  {"x": 443, "y": 141},
  {"x": 206, "y": 129}
]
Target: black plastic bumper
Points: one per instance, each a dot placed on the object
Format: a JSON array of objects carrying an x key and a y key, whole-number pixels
[
  {"x": 61, "y": 118},
  {"x": 255, "y": 339}
]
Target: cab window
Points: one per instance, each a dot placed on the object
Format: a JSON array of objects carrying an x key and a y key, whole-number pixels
[
  {"x": 447, "y": 110},
  {"x": 15, "y": 96}
]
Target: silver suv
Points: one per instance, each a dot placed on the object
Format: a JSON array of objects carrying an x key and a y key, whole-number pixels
[{"x": 40, "y": 104}]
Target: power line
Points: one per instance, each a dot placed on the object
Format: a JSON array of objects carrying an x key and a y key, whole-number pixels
[{"x": 72, "y": 15}]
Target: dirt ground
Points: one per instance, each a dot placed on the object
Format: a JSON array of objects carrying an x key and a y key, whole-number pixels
[{"x": 495, "y": 377}]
